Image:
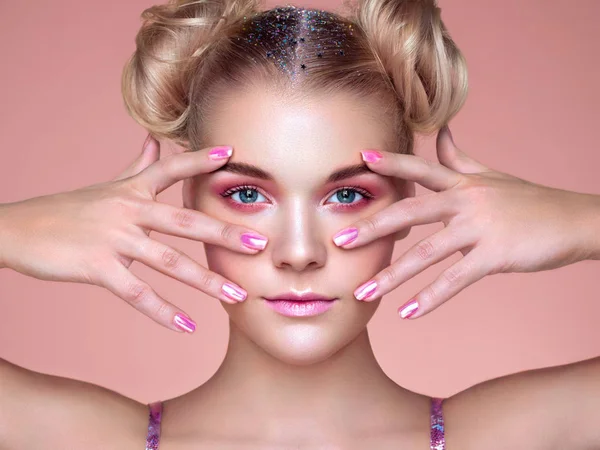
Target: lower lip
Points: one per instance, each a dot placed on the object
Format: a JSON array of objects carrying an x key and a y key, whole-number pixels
[{"x": 300, "y": 309}]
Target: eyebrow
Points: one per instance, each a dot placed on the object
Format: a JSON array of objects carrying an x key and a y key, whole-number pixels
[{"x": 256, "y": 172}]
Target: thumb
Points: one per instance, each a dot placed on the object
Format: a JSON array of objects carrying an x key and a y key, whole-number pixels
[
  {"x": 453, "y": 157},
  {"x": 150, "y": 154}
]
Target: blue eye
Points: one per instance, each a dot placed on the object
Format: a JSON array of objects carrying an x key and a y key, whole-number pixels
[
  {"x": 346, "y": 195},
  {"x": 247, "y": 194},
  {"x": 244, "y": 194}
]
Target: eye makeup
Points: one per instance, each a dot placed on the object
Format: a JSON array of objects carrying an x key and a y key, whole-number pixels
[
  {"x": 228, "y": 193},
  {"x": 367, "y": 197}
]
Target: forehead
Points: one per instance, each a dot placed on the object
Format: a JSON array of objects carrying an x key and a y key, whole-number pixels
[{"x": 297, "y": 140}]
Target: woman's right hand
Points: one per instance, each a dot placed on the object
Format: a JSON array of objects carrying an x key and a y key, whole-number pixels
[{"x": 93, "y": 234}]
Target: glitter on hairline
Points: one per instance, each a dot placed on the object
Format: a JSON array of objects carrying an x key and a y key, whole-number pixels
[{"x": 285, "y": 24}]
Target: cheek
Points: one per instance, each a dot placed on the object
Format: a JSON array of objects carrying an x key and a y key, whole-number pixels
[
  {"x": 237, "y": 267},
  {"x": 368, "y": 259}
]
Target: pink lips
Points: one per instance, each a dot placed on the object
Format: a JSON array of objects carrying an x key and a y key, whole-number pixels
[{"x": 294, "y": 305}]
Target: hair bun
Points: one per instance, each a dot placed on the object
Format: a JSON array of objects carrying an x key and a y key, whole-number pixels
[
  {"x": 427, "y": 69},
  {"x": 172, "y": 41}
]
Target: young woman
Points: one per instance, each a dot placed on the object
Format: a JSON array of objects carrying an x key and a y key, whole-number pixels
[{"x": 296, "y": 128}]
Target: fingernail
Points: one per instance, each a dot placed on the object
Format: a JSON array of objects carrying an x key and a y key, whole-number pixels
[
  {"x": 234, "y": 292},
  {"x": 220, "y": 152},
  {"x": 254, "y": 241},
  {"x": 409, "y": 309},
  {"x": 345, "y": 236},
  {"x": 371, "y": 155},
  {"x": 365, "y": 290},
  {"x": 184, "y": 322}
]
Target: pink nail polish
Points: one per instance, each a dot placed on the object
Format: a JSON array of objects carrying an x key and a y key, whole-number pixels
[
  {"x": 184, "y": 322},
  {"x": 345, "y": 236},
  {"x": 234, "y": 292},
  {"x": 254, "y": 241},
  {"x": 371, "y": 155},
  {"x": 365, "y": 290},
  {"x": 220, "y": 152},
  {"x": 409, "y": 309}
]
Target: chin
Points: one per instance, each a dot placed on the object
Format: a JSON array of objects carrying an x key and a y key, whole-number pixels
[
  {"x": 302, "y": 344},
  {"x": 301, "y": 341}
]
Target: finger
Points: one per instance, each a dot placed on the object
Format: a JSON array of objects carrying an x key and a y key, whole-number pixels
[
  {"x": 150, "y": 154},
  {"x": 454, "y": 279},
  {"x": 180, "y": 266},
  {"x": 428, "y": 174},
  {"x": 124, "y": 284},
  {"x": 410, "y": 211},
  {"x": 195, "y": 225},
  {"x": 427, "y": 252},
  {"x": 174, "y": 168},
  {"x": 453, "y": 157}
]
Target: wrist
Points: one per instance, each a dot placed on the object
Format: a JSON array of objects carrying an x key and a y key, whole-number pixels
[
  {"x": 3, "y": 225},
  {"x": 588, "y": 227}
]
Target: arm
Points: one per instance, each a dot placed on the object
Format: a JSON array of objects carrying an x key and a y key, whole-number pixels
[
  {"x": 2, "y": 233},
  {"x": 550, "y": 408},
  {"x": 44, "y": 411},
  {"x": 587, "y": 227}
]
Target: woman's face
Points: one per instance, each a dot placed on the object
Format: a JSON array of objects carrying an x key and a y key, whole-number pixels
[{"x": 299, "y": 144}]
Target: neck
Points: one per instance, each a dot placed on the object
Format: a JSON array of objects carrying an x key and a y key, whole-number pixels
[{"x": 286, "y": 400}]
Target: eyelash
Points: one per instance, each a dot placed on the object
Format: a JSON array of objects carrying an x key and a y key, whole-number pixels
[{"x": 366, "y": 194}]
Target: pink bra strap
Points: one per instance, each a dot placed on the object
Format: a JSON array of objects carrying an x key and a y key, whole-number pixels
[
  {"x": 155, "y": 415},
  {"x": 438, "y": 441}
]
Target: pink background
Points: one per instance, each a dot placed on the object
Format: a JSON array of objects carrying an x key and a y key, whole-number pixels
[{"x": 531, "y": 111}]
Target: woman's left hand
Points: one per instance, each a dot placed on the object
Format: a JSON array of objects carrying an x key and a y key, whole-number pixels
[{"x": 500, "y": 223}]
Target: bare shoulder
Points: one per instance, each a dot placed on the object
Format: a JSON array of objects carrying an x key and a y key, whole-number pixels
[
  {"x": 45, "y": 411},
  {"x": 550, "y": 408}
]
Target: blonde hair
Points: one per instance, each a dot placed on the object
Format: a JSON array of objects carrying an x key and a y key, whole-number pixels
[{"x": 191, "y": 52}]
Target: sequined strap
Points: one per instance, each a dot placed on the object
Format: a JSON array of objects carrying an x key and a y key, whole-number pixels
[
  {"x": 438, "y": 441},
  {"x": 155, "y": 415}
]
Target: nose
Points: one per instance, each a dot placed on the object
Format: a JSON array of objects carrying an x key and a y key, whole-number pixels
[{"x": 299, "y": 245}]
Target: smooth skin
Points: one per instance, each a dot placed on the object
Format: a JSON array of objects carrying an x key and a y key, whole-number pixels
[{"x": 549, "y": 408}]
